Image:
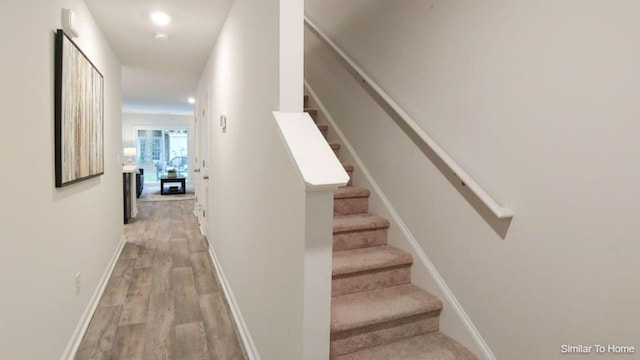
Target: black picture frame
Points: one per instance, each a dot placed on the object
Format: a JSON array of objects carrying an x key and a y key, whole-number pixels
[{"x": 79, "y": 114}]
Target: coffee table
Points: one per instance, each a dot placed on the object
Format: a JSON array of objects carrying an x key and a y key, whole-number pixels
[{"x": 178, "y": 179}]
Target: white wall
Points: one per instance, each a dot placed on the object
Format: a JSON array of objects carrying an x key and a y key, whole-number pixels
[
  {"x": 166, "y": 121},
  {"x": 256, "y": 226},
  {"x": 49, "y": 234},
  {"x": 538, "y": 101}
]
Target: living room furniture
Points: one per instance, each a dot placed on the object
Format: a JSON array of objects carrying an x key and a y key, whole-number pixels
[
  {"x": 126, "y": 195},
  {"x": 182, "y": 189},
  {"x": 139, "y": 182},
  {"x": 130, "y": 208}
]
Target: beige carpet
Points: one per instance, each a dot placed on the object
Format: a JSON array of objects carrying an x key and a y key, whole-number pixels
[{"x": 376, "y": 313}]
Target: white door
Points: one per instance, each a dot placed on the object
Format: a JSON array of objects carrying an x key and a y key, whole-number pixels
[{"x": 202, "y": 177}]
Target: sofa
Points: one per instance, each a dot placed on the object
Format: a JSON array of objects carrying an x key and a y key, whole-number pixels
[{"x": 139, "y": 182}]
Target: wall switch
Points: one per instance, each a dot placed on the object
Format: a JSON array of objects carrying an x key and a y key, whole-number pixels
[
  {"x": 223, "y": 123},
  {"x": 78, "y": 283}
]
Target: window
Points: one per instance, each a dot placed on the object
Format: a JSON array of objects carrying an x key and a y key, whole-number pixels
[
  {"x": 157, "y": 148},
  {"x": 162, "y": 149}
]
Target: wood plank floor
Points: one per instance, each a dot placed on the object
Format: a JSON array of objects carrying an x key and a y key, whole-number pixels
[{"x": 162, "y": 301}]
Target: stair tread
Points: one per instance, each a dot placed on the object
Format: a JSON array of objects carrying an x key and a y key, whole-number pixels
[
  {"x": 354, "y": 222},
  {"x": 347, "y": 167},
  {"x": 431, "y": 346},
  {"x": 370, "y": 258},
  {"x": 334, "y": 146},
  {"x": 323, "y": 126},
  {"x": 309, "y": 109},
  {"x": 377, "y": 306},
  {"x": 345, "y": 192}
]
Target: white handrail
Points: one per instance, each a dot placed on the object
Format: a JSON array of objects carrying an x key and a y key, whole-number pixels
[{"x": 502, "y": 212}]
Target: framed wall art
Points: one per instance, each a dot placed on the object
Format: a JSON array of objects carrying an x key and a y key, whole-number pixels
[{"x": 79, "y": 114}]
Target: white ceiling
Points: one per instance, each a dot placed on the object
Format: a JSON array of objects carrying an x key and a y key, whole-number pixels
[{"x": 158, "y": 76}]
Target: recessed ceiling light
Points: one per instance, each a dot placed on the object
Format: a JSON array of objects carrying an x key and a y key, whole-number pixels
[
  {"x": 161, "y": 36},
  {"x": 160, "y": 18},
  {"x": 191, "y": 100}
]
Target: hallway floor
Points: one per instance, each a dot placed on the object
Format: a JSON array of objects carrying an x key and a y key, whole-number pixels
[{"x": 162, "y": 300}]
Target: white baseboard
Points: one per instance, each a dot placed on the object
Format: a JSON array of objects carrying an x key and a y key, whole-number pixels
[
  {"x": 417, "y": 249},
  {"x": 241, "y": 325},
  {"x": 81, "y": 329}
]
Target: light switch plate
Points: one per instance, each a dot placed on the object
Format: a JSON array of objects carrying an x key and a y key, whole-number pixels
[{"x": 223, "y": 123}]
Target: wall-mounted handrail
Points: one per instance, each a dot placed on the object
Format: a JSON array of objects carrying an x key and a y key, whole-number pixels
[{"x": 502, "y": 212}]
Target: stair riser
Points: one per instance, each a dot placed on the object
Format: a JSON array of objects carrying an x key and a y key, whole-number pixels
[
  {"x": 370, "y": 280},
  {"x": 356, "y": 339},
  {"x": 359, "y": 239},
  {"x": 348, "y": 206},
  {"x": 324, "y": 132},
  {"x": 336, "y": 151},
  {"x": 434, "y": 345},
  {"x": 313, "y": 114},
  {"x": 350, "y": 173},
  {"x": 305, "y": 102}
]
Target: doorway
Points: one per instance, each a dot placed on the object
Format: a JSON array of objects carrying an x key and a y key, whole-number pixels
[
  {"x": 161, "y": 150},
  {"x": 203, "y": 150}
]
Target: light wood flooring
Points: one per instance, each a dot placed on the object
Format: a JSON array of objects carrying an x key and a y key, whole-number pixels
[{"x": 162, "y": 301}]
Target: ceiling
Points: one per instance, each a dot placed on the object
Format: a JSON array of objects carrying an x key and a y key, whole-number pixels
[{"x": 158, "y": 76}]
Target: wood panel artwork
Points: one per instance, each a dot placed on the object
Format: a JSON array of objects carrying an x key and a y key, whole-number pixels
[{"x": 79, "y": 114}]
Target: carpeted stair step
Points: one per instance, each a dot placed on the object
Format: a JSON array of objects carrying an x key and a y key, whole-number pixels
[
  {"x": 358, "y": 231},
  {"x": 432, "y": 346},
  {"x": 313, "y": 113},
  {"x": 350, "y": 200},
  {"x": 324, "y": 128},
  {"x": 349, "y": 169},
  {"x": 335, "y": 147},
  {"x": 368, "y": 269},
  {"x": 376, "y": 313},
  {"x": 366, "y": 319}
]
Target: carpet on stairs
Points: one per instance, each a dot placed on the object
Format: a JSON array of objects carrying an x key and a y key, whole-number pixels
[{"x": 376, "y": 313}]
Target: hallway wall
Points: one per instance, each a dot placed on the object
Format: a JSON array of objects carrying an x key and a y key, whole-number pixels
[
  {"x": 256, "y": 221},
  {"x": 49, "y": 234},
  {"x": 538, "y": 102}
]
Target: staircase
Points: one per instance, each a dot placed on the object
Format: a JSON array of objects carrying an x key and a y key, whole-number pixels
[{"x": 376, "y": 313}]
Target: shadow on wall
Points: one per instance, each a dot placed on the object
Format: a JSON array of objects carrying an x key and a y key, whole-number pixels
[{"x": 500, "y": 226}]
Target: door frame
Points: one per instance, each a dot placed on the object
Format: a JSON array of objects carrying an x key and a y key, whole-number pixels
[{"x": 203, "y": 126}]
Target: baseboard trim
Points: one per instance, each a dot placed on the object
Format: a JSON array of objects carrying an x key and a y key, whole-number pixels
[
  {"x": 241, "y": 325},
  {"x": 417, "y": 249},
  {"x": 83, "y": 325}
]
